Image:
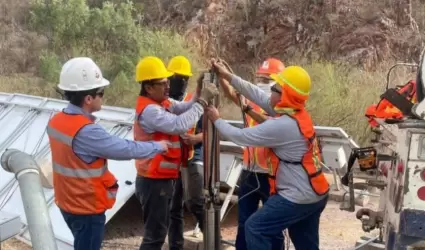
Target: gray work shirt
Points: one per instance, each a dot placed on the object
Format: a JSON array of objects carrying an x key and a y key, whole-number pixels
[
  {"x": 93, "y": 142},
  {"x": 176, "y": 121},
  {"x": 283, "y": 136}
]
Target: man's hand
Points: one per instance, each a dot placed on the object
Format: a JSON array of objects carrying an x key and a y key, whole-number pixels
[
  {"x": 212, "y": 113},
  {"x": 190, "y": 139},
  {"x": 199, "y": 84},
  {"x": 164, "y": 145},
  {"x": 219, "y": 67},
  {"x": 207, "y": 94}
]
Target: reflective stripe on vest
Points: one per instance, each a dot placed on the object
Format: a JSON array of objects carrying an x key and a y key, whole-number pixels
[
  {"x": 256, "y": 155},
  {"x": 161, "y": 166},
  {"x": 80, "y": 187},
  {"x": 311, "y": 159}
]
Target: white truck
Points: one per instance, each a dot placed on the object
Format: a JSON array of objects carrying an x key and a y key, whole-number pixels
[{"x": 395, "y": 163}]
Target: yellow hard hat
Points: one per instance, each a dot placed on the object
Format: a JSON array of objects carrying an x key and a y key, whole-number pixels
[
  {"x": 294, "y": 77},
  {"x": 180, "y": 65},
  {"x": 150, "y": 68}
]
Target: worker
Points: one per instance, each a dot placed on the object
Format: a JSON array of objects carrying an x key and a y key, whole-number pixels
[
  {"x": 299, "y": 189},
  {"x": 189, "y": 185},
  {"x": 84, "y": 187},
  {"x": 159, "y": 117},
  {"x": 254, "y": 179}
]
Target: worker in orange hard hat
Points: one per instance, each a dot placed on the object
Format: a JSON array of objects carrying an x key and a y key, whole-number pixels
[
  {"x": 254, "y": 185},
  {"x": 159, "y": 117},
  {"x": 298, "y": 187},
  {"x": 270, "y": 66}
]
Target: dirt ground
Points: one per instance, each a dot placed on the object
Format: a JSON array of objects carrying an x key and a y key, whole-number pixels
[{"x": 338, "y": 229}]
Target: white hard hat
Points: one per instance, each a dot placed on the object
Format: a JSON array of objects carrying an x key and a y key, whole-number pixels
[{"x": 81, "y": 73}]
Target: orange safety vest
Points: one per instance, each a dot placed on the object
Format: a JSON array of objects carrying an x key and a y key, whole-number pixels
[
  {"x": 192, "y": 130},
  {"x": 385, "y": 110},
  {"x": 311, "y": 159},
  {"x": 80, "y": 187},
  {"x": 256, "y": 155},
  {"x": 161, "y": 166}
]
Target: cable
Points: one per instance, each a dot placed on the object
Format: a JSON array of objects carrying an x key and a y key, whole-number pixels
[{"x": 245, "y": 195}]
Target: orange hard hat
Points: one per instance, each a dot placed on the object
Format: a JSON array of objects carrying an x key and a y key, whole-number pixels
[{"x": 270, "y": 66}]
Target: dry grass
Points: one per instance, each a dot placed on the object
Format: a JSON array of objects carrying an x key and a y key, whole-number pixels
[{"x": 339, "y": 97}]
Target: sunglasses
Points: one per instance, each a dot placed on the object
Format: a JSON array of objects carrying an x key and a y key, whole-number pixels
[
  {"x": 160, "y": 83},
  {"x": 100, "y": 93},
  {"x": 275, "y": 89}
]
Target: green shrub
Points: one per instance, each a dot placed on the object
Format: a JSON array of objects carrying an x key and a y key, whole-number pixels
[
  {"x": 49, "y": 67},
  {"x": 108, "y": 34}
]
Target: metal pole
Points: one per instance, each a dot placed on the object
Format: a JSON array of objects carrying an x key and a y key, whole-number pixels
[
  {"x": 211, "y": 144},
  {"x": 27, "y": 173}
]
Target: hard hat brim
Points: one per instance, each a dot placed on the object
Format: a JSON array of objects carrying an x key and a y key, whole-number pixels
[
  {"x": 275, "y": 78},
  {"x": 182, "y": 73},
  {"x": 168, "y": 74},
  {"x": 103, "y": 83}
]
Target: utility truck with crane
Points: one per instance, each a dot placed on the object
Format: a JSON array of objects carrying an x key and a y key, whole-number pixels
[{"x": 394, "y": 164}]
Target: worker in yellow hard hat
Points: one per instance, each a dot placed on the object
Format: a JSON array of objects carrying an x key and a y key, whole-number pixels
[
  {"x": 254, "y": 179},
  {"x": 159, "y": 117},
  {"x": 299, "y": 189},
  {"x": 189, "y": 185}
]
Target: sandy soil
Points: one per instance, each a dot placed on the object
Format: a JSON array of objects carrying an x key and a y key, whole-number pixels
[{"x": 338, "y": 229}]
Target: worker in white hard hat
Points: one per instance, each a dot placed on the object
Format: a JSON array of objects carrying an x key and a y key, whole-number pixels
[
  {"x": 84, "y": 187},
  {"x": 298, "y": 187}
]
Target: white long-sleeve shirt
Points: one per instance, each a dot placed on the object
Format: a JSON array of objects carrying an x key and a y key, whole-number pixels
[{"x": 282, "y": 135}]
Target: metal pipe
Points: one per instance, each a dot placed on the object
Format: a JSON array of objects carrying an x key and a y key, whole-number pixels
[
  {"x": 209, "y": 227},
  {"x": 27, "y": 173},
  {"x": 211, "y": 174},
  {"x": 217, "y": 229},
  {"x": 206, "y": 138}
]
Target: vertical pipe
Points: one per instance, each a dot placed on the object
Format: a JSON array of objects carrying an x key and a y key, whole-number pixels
[
  {"x": 27, "y": 173},
  {"x": 206, "y": 138},
  {"x": 209, "y": 237},
  {"x": 216, "y": 145},
  {"x": 217, "y": 230},
  {"x": 211, "y": 175}
]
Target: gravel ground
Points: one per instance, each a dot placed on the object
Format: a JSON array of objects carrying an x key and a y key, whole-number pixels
[{"x": 338, "y": 229}]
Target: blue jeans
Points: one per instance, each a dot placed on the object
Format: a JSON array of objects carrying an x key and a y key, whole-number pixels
[
  {"x": 278, "y": 214},
  {"x": 249, "y": 203},
  {"x": 88, "y": 230}
]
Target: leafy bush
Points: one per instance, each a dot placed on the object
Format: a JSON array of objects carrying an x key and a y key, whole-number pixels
[{"x": 109, "y": 35}]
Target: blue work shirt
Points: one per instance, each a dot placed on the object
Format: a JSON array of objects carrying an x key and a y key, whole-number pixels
[
  {"x": 93, "y": 142},
  {"x": 198, "y": 154}
]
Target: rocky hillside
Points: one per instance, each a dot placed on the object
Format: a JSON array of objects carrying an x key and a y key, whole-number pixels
[
  {"x": 246, "y": 31},
  {"x": 360, "y": 32}
]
